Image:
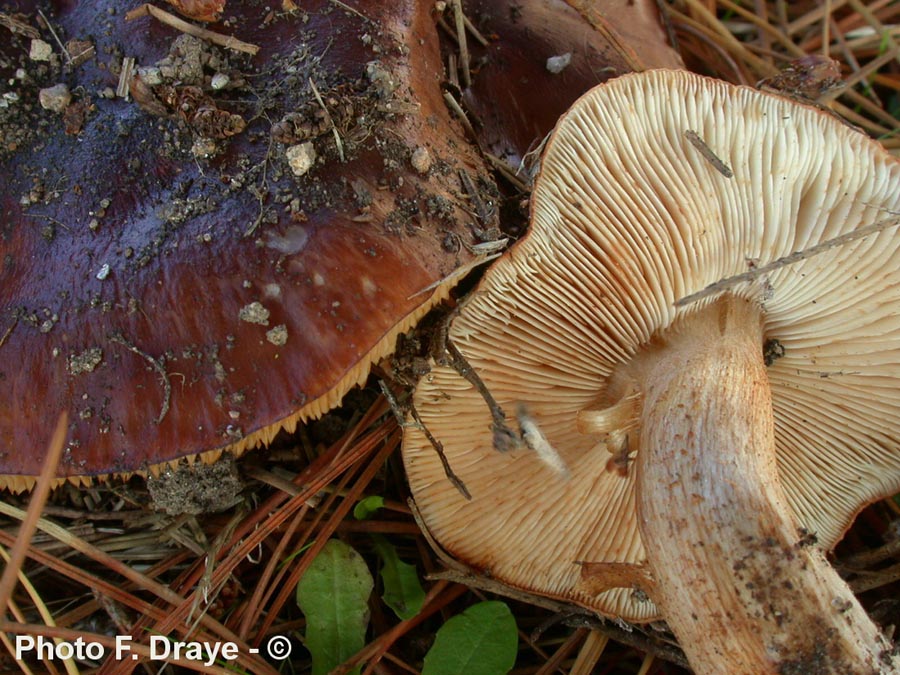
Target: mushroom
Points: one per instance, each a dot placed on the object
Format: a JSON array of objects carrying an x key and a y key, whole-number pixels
[
  {"x": 594, "y": 44},
  {"x": 171, "y": 282},
  {"x": 687, "y": 462}
]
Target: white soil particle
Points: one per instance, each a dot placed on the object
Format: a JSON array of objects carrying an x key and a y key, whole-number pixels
[
  {"x": 86, "y": 361},
  {"x": 55, "y": 98},
  {"x": 219, "y": 81},
  {"x": 421, "y": 160},
  {"x": 40, "y": 50},
  {"x": 301, "y": 158},
  {"x": 254, "y": 313},
  {"x": 277, "y": 336},
  {"x": 556, "y": 64}
]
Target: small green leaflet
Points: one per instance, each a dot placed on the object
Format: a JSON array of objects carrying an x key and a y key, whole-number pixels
[
  {"x": 367, "y": 506},
  {"x": 402, "y": 591},
  {"x": 481, "y": 641},
  {"x": 334, "y": 594}
]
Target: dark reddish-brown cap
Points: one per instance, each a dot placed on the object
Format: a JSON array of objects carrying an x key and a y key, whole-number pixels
[
  {"x": 542, "y": 55},
  {"x": 192, "y": 274}
]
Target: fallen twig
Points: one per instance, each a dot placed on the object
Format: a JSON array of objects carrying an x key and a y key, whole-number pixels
[
  {"x": 32, "y": 516},
  {"x": 508, "y": 172},
  {"x": 455, "y": 480},
  {"x": 456, "y": 108},
  {"x": 784, "y": 261},
  {"x": 708, "y": 154},
  {"x": 350, "y": 9},
  {"x": 328, "y": 119},
  {"x": 157, "y": 366},
  {"x": 62, "y": 47},
  {"x": 165, "y": 17},
  {"x": 8, "y": 332},
  {"x": 460, "y": 20},
  {"x": 18, "y": 27},
  {"x": 124, "y": 86}
]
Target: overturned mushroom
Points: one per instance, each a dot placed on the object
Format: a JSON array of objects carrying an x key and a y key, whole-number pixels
[
  {"x": 693, "y": 472},
  {"x": 182, "y": 292}
]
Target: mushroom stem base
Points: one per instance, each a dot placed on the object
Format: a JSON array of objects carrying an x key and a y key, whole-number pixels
[{"x": 735, "y": 579}]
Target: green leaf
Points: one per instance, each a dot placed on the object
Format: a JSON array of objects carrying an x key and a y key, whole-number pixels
[
  {"x": 402, "y": 591},
  {"x": 480, "y": 641},
  {"x": 333, "y": 594},
  {"x": 367, "y": 506}
]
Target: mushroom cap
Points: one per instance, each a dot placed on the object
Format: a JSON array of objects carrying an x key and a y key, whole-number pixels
[
  {"x": 629, "y": 216},
  {"x": 590, "y": 46},
  {"x": 213, "y": 302}
]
